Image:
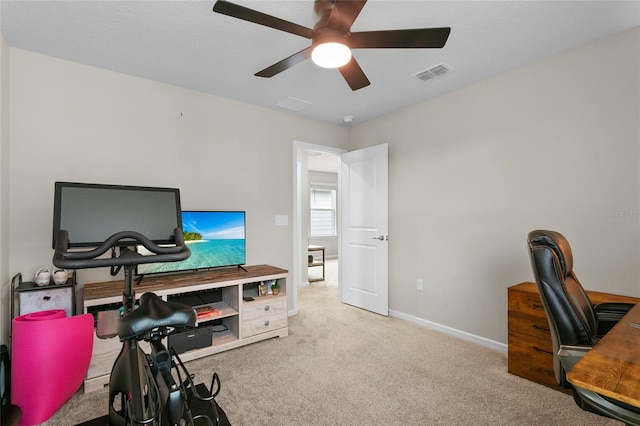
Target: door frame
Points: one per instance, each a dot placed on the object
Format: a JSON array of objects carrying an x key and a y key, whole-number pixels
[{"x": 296, "y": 268}]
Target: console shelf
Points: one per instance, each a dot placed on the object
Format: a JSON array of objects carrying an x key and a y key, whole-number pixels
[
  {"x": 243, "y": 322},
  {"x": 224, "y": 309}
]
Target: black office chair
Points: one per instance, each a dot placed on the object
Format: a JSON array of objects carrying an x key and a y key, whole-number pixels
[
  {"x": 10, "y": 415},
  {"x": 575, "y": 323}
]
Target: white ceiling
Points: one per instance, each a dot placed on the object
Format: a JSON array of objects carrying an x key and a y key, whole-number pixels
[{"x": 184, "y": 43}]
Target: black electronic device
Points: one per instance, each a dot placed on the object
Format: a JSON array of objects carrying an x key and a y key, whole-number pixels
[
  {"x": 91, "y": 213},
  {"x": 219, "y": 328},
  {"x": 197, "y": 338},
  {"x": 149, "y": 217}
]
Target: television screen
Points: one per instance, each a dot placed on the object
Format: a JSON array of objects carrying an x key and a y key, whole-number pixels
[
  {"x": 215, "y": 238},
  {"x": 91, "y": 213}
]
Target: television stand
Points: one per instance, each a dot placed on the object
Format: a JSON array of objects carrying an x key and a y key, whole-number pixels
[{"x": 229, "y": 321}]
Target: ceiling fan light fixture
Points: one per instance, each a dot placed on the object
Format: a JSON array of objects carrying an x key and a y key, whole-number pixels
[
  {"x": 331, "y": 54},
  {"x": 332, "y": 39}
]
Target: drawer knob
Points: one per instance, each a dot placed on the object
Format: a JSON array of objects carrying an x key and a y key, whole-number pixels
[
  {"x": 46, "y": 298},
  {"x": 266, "y": 308},
  {"x": 266, "y": 322}
]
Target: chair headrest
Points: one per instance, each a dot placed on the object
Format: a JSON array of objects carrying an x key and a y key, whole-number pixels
[{"x": 556, "y": 242}]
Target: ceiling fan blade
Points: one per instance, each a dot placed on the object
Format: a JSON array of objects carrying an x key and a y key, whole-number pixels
[
  {"x": 356, "y": 79},
  {"x": 285, "y": 64},
  {"x": 404, "y": 39},
  {"x": 344, "y": 13},
  {"x": 246, "y": 14}
]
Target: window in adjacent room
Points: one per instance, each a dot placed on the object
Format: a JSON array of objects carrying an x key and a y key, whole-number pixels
[{"x": 323, "y": 210}]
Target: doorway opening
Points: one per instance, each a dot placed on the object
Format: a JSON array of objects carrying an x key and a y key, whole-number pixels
[{"x": 316, "y": 171}]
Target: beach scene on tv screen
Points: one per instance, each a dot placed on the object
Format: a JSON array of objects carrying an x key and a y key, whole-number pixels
[{"x": 215, "y": 239}]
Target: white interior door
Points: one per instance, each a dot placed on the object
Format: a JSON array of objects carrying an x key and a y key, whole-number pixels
[{"x": 364, "y": 221}]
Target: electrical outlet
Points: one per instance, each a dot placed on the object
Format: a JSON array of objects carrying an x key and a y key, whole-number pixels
[{"x": 419, "y": 284}]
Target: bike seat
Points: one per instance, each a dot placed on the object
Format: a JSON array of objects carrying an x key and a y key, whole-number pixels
[{"x": 154, "y": 312}]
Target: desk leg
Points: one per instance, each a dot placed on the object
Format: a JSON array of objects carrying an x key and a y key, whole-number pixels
[{"x": 319, "y": 264}]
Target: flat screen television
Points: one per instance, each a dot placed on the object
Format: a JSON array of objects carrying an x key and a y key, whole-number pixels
[
  {"x": 216, "y": 239},
  {"x": 91, "y": 213}
]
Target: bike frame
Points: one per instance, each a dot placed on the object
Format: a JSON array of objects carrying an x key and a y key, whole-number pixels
[
  {"x": 143, "y": 384},
  {"x": 131, "y": 378}
]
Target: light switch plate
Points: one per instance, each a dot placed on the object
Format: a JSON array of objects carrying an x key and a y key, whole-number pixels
[{"x": 282, "y": 220}]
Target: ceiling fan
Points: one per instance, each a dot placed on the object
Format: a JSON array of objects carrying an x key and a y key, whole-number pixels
[{"x": 332, "y": 40}]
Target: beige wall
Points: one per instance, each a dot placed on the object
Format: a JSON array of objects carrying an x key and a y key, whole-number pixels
[
  {"x": 550, "y": 145},
  {"x": 77, "y": 123},
  {"x": 4, "y": 191},
  {"x": 554, "y": 144}
]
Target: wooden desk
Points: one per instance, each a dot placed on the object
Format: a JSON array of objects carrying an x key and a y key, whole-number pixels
[
  {"x": 612, "y": 367},
  {"x": 530, "y": 350},
  {"x": 315, "y": 263}
]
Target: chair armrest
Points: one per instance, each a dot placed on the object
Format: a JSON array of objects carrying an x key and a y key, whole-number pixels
[
  {"x": 609, "y": 407},
  {"x": 569, "y": 355},
  {"x": 611, "y": 311},
  {"x": 608, "y": 314}
]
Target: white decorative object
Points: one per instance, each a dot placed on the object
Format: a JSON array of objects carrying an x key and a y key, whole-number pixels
[
  {"x": 42, "y": 276},
  {"x": 60, "y": 276}
]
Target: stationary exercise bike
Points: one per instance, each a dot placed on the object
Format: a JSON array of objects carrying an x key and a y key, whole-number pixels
[{"x": 146, "y": 388}]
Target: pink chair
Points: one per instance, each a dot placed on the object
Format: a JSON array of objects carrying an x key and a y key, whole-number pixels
[{"x": 50, "y": 355}]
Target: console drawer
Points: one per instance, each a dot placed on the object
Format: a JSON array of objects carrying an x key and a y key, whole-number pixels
[
  {"x": 262, "y": 316},
  {"x": 105, "y": 352},
  {"x": 526, "y": 301},
  {"x": 532, "y": 358},
  {"x": 529, "y": 324},
  {"x": 101, "y": 363},
  {"x": 259, "y": 308},
  {"x": 252, "y": 327},
  {"x": 46, "y": 298}
]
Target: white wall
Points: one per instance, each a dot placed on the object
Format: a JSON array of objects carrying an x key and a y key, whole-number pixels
[
  {"x": 77, "y": 123},
  {"x": 554, "y": 144},
  {"x": 303, "y": 164}
]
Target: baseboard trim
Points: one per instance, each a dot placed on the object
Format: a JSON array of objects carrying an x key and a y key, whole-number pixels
[{"x": 492, "y": 344}]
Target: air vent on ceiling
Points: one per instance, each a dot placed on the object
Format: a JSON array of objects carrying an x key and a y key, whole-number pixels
[
  {"x": 292, "y": 104},
  {"x": 433, "y": 72}
]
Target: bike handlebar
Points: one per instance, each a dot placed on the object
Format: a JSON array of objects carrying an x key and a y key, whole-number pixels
[{"x": 62, "y": 258}]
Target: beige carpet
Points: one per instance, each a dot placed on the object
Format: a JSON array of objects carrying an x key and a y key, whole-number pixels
[{"x": 344, "y": 366}]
